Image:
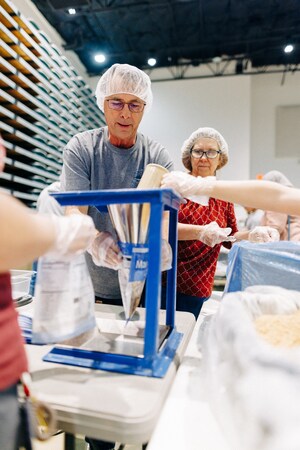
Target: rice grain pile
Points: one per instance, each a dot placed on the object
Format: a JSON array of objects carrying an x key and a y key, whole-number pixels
[{"x": 281, "y": 330}]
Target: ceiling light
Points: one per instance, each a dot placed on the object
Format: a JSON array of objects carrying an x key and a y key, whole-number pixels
[
  {"x": 151, "y": 62},
  {"x": 288, "y": 48},
  {"x": 72, "y": 11},
  {"x": 99, "y": 58}
]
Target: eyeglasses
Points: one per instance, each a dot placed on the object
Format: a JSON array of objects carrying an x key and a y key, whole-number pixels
[
  {"x": 118, "y": 105},
  {"x": 210, "y": 154}
]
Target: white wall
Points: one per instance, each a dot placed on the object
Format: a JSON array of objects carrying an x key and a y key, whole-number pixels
[
  {"x": 267, "y": 92},
  {"x": 180, "y": 107},
  {"x": 240, "y": 107}
]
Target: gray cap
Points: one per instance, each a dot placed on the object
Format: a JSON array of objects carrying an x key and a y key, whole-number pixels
[
  {"x": 205, "y": 132},
  {"x": 277, "y": 177},
  {"x": 124, "y": 79}
]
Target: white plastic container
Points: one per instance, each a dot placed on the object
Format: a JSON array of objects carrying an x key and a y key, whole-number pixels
[{"x": 20, "y": 282}]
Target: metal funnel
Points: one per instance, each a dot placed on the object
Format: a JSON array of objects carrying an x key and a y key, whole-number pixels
[
  {"x": 131, "y": 223},
  {"x": 132, "y": 237}
]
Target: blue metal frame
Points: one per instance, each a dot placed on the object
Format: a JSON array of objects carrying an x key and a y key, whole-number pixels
[{"x": 153, "y": 363}]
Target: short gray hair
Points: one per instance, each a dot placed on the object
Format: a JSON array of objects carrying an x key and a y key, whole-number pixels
[{"x": 205, "y": 132}]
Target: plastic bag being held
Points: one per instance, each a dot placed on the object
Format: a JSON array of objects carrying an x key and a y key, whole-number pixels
[{"x": 64, "y": 300}]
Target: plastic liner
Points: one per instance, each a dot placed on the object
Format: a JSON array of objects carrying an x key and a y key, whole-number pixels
[
  {"x": 252, "y": 386},
  {"x": 272, "y": 263}
]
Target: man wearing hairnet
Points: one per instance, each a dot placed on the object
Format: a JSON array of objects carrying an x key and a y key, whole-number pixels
[{"x": 111, "y": 157}]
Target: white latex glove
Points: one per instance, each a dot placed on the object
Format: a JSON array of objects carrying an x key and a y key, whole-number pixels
[
  {"x": 105, "y": 251},
  {"x": 166, "y": 256},
  {"x": 187, "y": 185},
  {"x": 211, "y": 234},
  {"x": 264, "y": 234},
  {"x": 74, "y": 234}
]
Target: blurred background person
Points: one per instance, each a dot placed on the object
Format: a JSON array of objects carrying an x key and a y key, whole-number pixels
[
  {"x": 254, "y": 217},
  {"x": 48, "y": 204},
  {"x": 287, "y": 225}
]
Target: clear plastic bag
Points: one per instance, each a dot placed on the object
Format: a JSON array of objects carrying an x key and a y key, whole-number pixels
[
  {"x": 132, "y": 275},
  {"x": 253, "y": 387},
  {"x": 64, "y": 300}
]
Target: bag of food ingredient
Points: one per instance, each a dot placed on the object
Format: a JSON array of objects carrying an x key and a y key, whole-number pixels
[
  {"x": 64, "y": 300},
  {"x": 271, "y": 263},
  {"x": 252, "y": 380}
]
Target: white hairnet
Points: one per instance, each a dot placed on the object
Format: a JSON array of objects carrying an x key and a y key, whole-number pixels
[
  {"x": 205, "y": 132},
  {"x": 124, "y": 79},
  {"x": 278, "y": 177}
]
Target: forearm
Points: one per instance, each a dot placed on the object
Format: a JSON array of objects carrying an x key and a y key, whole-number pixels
[
  {"x": 24, "y": 235},
  {"x": 241, "y": 235},
  {"x": 254, "y": 193},
  {"x": 258, "y": 194},
  {"x": 187, "y": 232}
]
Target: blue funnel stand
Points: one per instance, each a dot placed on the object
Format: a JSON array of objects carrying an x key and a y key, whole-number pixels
[{"x": 155, "y": 361}]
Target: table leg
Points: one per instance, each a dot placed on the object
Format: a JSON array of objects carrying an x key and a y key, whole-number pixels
[
  {"x": 122, "y": 446},
  {"x": 69, "y": 441}
]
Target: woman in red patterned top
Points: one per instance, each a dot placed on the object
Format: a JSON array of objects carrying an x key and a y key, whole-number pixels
[{"x": 202, "y": 229}]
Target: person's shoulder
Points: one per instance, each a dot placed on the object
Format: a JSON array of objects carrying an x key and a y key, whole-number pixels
[
  {"x": 89, "y": 134},
  {"x": 157, "y": 152},
  {"x": 84, "y": 141},
  {"x": 150, "y": 142}
]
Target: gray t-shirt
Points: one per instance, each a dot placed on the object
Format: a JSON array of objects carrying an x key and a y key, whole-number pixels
[{"x": 91, "y": 162}]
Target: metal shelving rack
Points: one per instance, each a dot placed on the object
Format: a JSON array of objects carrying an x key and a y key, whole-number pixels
[{"x": 43, "y": 103}]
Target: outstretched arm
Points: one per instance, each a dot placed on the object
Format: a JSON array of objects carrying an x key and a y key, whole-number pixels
[
  {"x": 259, "y": 194},
  {"x": 256, "y": 193},
  {"x": 26, "y": 235}
]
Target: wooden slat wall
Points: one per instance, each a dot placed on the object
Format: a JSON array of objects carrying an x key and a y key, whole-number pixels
[{"x": 43, "y": 103}]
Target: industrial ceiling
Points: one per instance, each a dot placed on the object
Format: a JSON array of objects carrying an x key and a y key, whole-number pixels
[{"x": 178, "y": 33}]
